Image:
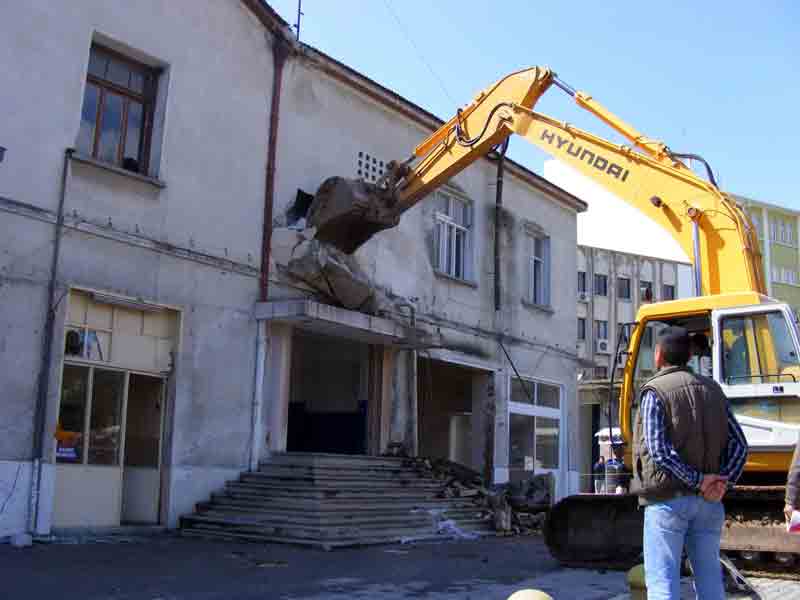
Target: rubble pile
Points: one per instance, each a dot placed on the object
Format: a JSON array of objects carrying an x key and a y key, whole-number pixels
[{"x": 515, "y": 509}]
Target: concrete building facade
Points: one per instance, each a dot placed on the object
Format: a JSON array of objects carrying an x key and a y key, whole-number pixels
[
  {"x": 777, "y": 228},
  {"x": 167, "y": 320}
]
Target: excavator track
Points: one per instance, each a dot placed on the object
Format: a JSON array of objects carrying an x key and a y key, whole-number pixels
[{"x": 605, "y": 531}]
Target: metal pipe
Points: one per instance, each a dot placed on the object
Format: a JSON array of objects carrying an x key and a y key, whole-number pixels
[
  {"x": 39, "y": 420},
  {"x": 698, "y": 268},
  {"x": 498, "y": 214},
  {"x": 280, "y": 52}
]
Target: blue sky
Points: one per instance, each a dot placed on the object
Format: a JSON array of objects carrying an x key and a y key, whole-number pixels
[{"x": 721, "y": 79}]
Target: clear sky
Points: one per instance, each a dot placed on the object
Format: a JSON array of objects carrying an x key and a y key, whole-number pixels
[{"x": 721, "y": 79}]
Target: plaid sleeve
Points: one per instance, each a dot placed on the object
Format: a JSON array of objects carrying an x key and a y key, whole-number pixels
[
  {"x": 659, "y": 445},
  {"x": 734, "y": 456}
]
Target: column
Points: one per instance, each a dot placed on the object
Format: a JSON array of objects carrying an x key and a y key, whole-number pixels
[
  {"x": 500, "y": 470},
  {"x": 278, "y": 374}
]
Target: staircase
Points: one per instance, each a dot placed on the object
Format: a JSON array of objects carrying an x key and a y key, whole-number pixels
[{"x": 330, "y": 501}]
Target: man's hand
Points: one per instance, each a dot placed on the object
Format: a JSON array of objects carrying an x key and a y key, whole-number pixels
[
  {"x": 713, "y": 487},
  {"x": 787, "y": 510}
]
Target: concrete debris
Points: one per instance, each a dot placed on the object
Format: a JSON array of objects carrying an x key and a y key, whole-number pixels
[
  {"x": 334, "y": 274},
  {"x": 514, "y": 509}
]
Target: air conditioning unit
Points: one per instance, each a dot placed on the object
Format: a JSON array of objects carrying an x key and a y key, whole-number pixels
[
  {"x": 583, "y": 297},
  {"x": 602, "y": 347}
]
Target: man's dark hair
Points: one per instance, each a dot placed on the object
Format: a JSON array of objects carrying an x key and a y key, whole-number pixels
[
  {"x": 699, "y": 343},
  {"x": 674, "y": 344}
]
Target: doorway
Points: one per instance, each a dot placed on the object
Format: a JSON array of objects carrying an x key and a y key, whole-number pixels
[
  {"x": 109, "y": 430},
  {"x": 328, "y": 395}
]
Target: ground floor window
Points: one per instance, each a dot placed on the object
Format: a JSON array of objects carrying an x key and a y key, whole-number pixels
[{"x": 534, "y": 428}]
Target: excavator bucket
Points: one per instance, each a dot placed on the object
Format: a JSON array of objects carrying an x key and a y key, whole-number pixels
[
  {"x": 596, "y": 531},
  {"x": 348, "y": 212}
]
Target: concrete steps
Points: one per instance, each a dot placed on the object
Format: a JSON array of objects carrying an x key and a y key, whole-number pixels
[{"x": 330, "y": 501}]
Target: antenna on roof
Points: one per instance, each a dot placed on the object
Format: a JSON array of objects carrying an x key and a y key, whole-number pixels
[{"x": 299, "y": 14}]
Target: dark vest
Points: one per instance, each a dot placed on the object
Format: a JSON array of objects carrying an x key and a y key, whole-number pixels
[{"x": 696, "y": 420}]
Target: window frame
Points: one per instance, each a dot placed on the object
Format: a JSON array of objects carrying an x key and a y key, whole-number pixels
[
  {"x": 665, "y": 295},
  {"x": 538, "y": 411},
  {"x": 600, "y": 277},
  {"x": 644, "y": 286},
  {"x": 581, "y": 329},
  {"x": 581, "y": 282},
  {"x": 447, "y": 243},
  {"x": 598, "y": 327},
  {"x": 620, "y": 281},
  {"x": 543, "y": 298},
  {"x": 146, "y": 98}
]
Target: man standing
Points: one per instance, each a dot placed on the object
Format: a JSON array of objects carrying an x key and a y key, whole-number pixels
[
  {"x": 793, "y": 485},
  {"x": 687, "y": 448},
  {"x": 599, "y": 471}
]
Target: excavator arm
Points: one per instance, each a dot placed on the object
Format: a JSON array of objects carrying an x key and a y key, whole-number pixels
[{"x": 709, "y": 226}]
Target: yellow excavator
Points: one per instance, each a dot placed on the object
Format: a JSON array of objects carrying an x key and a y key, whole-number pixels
[{"x": 754, "y": 345}]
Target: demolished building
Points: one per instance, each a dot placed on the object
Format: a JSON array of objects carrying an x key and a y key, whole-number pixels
[{"x": 171, "y": 319}]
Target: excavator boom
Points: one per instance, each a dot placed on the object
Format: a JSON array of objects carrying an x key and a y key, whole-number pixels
[{"x": 707, "y": 224}]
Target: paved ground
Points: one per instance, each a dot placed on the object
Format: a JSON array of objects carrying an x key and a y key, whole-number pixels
[{"x": 171, "y": 568}]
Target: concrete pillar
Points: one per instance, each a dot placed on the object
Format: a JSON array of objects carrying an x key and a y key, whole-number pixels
[
  {"x": 482, "y": 415},
  {"x": 403, "y": 397},
  {"x": 501, "y": 427},
  {"x": 278, "y": 373}
]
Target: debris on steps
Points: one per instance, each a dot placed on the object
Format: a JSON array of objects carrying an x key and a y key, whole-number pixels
[{"x": 517, "y": 508}]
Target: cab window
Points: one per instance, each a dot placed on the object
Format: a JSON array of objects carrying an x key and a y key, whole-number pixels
[{"x": 758, "y": 348}]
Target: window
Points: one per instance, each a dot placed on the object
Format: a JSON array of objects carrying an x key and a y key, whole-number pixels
[
  {"x": 117, "y": 111},
  {"x": 647, "y": 338},
  {"x": 453, "y": 235},
  {"x": 789, "y": 233},
  {"x": 96, "y": 440},
  {"x": 773, "y": 230},
  {"x": 534, "y": 427},
  {"x": 601, "y": 372},
  {"x": 601, "y": 330},
  {"x": 646, "y": 291},
  {"x": 600, "y": 285},
  {"x": 776, "y": 274},
  {"x": 581, "y": 328},
  {"x": 369, "y": 167},
  {"x": 758, "y": 348},
  {"x": 623, "y": 288},
  {"x": 581, "y": 282},
  {"x": 538, "y": 269},
  {"x": 668, "y": 292}
]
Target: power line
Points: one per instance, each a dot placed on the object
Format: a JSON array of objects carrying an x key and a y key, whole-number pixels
[{"x": 420, "y": 55}]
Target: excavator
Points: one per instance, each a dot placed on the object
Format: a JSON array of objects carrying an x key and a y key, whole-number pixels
[{"x": 753, "y": 339}]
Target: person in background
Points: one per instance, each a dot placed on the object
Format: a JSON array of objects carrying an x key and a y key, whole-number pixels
[
  {"x": 599, "y": 472},
  {"x": 687, "y": 448},
  {"x": 793, "y": 485},
  {"x": 617, "y": 479},
  {"x": 700, "y": 361}
]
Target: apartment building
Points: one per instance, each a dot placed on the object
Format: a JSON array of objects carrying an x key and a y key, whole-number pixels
[{"x": 777, "y": 228}]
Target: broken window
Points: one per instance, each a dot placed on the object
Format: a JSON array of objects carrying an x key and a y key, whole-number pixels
[
  {"x": 646, "y": 291},
  {"x": 534, "y": 427},
  {"x": 453, "y": 243},
  {"x": 297, "y": 213}
]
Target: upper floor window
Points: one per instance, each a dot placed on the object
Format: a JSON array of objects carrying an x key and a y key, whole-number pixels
[
  {"x": 601, "y": 329},
  {"x": 538, "y": 269},
  {"x": 581, "y": 282},
  {"x": 581, "y": 328},
  {"x": 453, "y": 240},
  {"x": 117, "y": 113},
  {"x": 668, "y": 292},
  {"x": 756, "y": 219},
  {"x": 600, "y": 285},
  {"x": 646, "y": 291},
  {"x": 624, "y": 288},
  {"x": 773, "y": 230}
]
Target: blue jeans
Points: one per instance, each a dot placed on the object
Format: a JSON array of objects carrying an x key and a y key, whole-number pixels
[{"x": 688, "y": 520}]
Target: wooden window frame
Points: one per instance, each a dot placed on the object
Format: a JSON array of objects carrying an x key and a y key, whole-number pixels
[{"x": 147, "y": 99}]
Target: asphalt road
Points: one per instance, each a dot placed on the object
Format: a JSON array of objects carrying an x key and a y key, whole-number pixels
[{"x": 171, "y": 568}]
